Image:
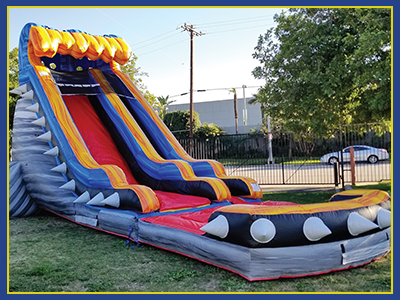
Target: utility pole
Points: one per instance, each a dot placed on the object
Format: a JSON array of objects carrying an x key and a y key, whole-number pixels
[
  {"x": 192, "y": 33},
  {"x": 270, "y": 156},
  {"x": 244, "y": 105}
]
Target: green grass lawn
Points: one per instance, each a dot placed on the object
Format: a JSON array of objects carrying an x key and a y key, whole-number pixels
[
  {"x": 50, "y": 254},
  {"x": 384, "y": 186}
]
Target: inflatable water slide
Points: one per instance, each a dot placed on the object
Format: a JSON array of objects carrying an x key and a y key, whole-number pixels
[{"x": 89, "y": 148}]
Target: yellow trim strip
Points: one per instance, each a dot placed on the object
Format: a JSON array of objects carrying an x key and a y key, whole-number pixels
[{"x": 369, "y": 197}]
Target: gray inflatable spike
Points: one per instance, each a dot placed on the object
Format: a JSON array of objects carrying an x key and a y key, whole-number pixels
[
  {"x": 28, "y": 95},
  {"x": 97, "y": 200},
  {"x": 85, "y": 197},
  {"x": 34, "y": 107},
  {"x": 384, "y": 218},
  {"x": 112, "y": 200},
  {"x": 61, "y": 168},
  {"x": 262, "y": 230},
  {"x": 53, "y": 151},
  {"x": 20, "y": 89},
  {"x": 315, "y": 229},
  {"x": 357, "y": 224},
  {"x": 40, "y": 122},
  {"x": 69, "y": 186},
  {"x": 218, "y": 227},
  {"x": 45, "y": 136}
]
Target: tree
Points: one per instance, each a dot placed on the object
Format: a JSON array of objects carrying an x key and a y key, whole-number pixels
[
  {"x": 135, "y": 74},
  {"x": 13, "y": 74},
  {"x": 179, "y": 122},
  {"x": 325, "y": 67},
  {"x": 162, "y": 105},
  {"x": 209, "y": 130}
]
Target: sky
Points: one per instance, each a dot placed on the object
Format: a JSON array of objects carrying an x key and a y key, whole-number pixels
[{"x": 222, "y": 56}]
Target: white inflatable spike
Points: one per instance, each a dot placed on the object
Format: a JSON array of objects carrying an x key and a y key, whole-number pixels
[
  {"x": 20, "y": 90},
  {"x": 315, "y": 229},
  {"x": 45, "y": 136},
  {"x": 96, "y": 200},
  {"x": 61, "y": 168},
  {"x": 112, "y": 200},
  {"x": 28, "y": 95},
  {"x": 218, "y": 227},
  {"x": 33, "y": 107},
  {"x": 69, "y": 186},
  {"x": 357, "y": 224},
  {"x": 53, "y": 151},
  {"x": 40, "y": 122},
  {"x": 262, "y": 230},
  {"x": 85, "y": 197},
  {"x": 384, "y": 218}
]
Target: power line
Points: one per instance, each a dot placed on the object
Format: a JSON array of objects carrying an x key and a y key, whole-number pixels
[
  {"x": 133, "y": 32},
  {"x": 236, "y": 29},
  {"x": 209, "y": 24},
  {"x": 213, "y": 32},
  {"x": 155, "y": 42},
  {"x": 215, "y": 89},
  {"x": 119, "y": 23},
  {"x": 234, "y": 20},
  {"x": 231, "y": 23},
  {"x": 138, "y": 43},
  {"x": 158, "y": 49}
]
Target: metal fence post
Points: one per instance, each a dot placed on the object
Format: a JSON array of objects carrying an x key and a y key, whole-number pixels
[
  {"x": 341, "y": 153},
  {"x": 336, "y": 173},
  {"x": 283, "y": 170},
  {"x": 352, "y": 167}
]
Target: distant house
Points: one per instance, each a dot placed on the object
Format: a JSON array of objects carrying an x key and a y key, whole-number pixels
[{"x": 221, "y": 113}]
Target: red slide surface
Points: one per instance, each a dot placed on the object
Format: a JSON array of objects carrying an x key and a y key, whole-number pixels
[
  {"x": 97, "y": 138},
  {"x": 104, "y": 151}
]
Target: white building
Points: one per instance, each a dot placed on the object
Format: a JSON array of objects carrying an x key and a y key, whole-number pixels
[{"x": 221, "y": 113}]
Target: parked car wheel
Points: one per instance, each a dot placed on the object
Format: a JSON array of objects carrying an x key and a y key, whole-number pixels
[
  {"x": 372, "y": 159},
  {"x": 333, "y": 160}
]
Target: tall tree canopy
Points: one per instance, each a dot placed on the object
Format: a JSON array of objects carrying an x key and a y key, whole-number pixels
[
  {"x": 13, "y": 73},
  {"x": 326, "y": 66},
  {"x": 162, "y": 104}
]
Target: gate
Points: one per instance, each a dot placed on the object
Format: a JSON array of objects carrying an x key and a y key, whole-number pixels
[{"x": 372, "y": 143}]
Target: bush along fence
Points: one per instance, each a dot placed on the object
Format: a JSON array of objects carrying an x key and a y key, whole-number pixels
[{"x": 289, "y": 160}]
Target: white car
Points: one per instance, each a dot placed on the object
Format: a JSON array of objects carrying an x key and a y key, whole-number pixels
[{"x": 361, "y": 153}]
